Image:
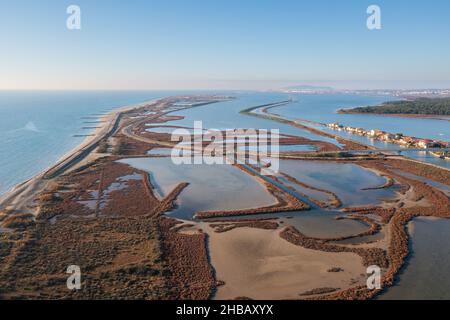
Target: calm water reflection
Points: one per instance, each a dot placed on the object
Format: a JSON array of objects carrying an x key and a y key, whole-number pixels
[
  {"x": 211, "y": 187},
  {"x": 344, "y": 179},
  {"x": 426, "y": 275}
]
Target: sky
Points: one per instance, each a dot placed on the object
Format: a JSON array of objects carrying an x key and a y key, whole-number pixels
[{"x": 223, "y": 44}]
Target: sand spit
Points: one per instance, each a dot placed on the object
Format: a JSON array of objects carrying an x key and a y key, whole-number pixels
[
  {"x": 21, "y": 197},
  {"x": 326, "y": 147}
]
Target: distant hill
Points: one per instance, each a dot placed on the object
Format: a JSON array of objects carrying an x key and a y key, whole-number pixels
[{"x": 421, "y": 106}]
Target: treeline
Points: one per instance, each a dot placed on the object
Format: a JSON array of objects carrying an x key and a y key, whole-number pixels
[{"x": 428, "y": 106}]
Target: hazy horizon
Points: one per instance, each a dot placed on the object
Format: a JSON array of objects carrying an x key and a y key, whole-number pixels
[{"x": 259, "y": 86}]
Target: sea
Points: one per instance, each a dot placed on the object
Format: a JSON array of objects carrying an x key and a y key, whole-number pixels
[{"x": 37, "y": 128}]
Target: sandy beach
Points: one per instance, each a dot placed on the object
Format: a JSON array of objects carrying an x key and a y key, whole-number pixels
[{"x": 21, "y": 197}]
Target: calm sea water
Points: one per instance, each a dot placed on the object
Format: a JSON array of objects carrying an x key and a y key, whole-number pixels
[{"x": 37, "y": 128}]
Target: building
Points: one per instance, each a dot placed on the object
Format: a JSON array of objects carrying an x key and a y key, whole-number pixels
[{"x": 425, "y": 143}]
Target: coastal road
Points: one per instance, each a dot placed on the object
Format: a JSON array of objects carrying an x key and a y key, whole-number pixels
[{"x": 22, "y": 197}]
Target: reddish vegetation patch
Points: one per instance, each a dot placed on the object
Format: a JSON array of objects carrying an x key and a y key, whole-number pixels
[
  {"x": 374, "y": 227},
  {"x": 132, "y": 201},
  {"x": 225, "y": 226},
  {"x": 135, "y": 147},
  {"x": 76, "y": 187},
  {"x": 385, "y": 213},
  {"x": 321, "y": 146},
  {"x": 423, "y": 170},
  {"x": 189, "y": 273},
  {"x": 351, "y": 145},
  {"x": 167, "y": 203},
  {"x": 371, "y": 256}
]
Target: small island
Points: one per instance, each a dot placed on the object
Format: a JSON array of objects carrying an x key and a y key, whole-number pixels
[{"x": 416, "y": 107}]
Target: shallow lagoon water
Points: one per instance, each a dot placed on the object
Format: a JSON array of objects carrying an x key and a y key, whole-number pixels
[
  {"x": 212, "y": 187},
  {"x": 346, "y": 180},
  {"x": 323, "y": 224},
  {"x": 426, "y": 274},
  {"x": 225, "y": 187},
  {"x": 427, "y": 157},
  {"x": 440, "y": 186},
  {"x": 310, "y": 193},
  {"x": 226, "y": 115},
  {"x": 160, "y": 151},
  {"x": 319, "y": 108},
  {"x": 281, "y": 148},
  {"x": 322, "y": 108},
  {"x": 317, "y": 222}
]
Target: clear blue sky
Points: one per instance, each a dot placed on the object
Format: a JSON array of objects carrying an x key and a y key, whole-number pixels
[{"x": 170, "y": 44}]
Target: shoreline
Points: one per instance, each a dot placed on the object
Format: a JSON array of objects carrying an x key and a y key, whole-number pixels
[{"x": 37, "y": 182}]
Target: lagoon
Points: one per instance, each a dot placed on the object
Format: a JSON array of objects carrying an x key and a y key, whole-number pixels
[{"x": 211, "y": 187}]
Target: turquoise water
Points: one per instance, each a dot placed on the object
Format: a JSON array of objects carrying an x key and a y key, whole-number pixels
[{"x": 37, "y": 128}]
